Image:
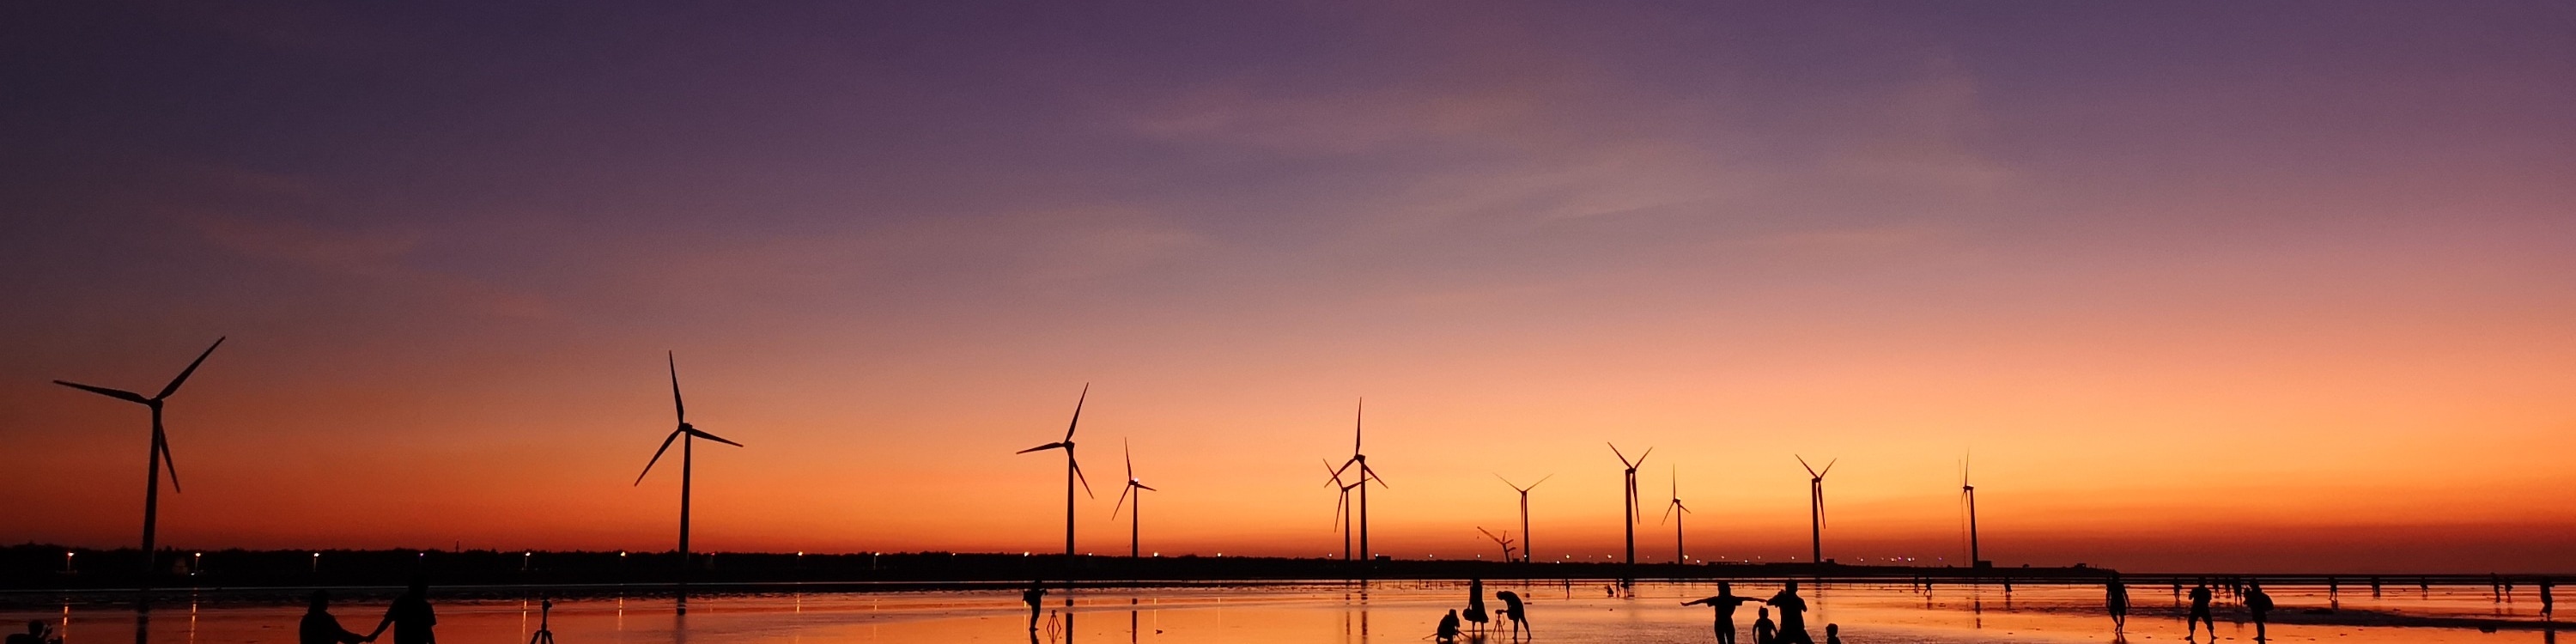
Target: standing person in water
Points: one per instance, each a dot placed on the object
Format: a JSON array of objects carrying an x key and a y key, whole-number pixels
[
  {"x": 319, "y": 627},
  {"x": 1036, "y": 597},
  {"x": 1793, "y": 615},
  {"x": 2259, "y": 604},
  {"x": 410, "y": 616},
  {"x": 2548, "y": 604},
  {"x": 1476, "y": 603},
  {"x": 1723, "y": 605},
  {"x": 2115, "y": 598},
  {"x": 1514, "y": 611},
  {"x": 2199, "y": 612},
  {"x": 1764, "y": 632}
]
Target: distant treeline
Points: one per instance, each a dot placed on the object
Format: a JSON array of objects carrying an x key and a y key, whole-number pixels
[{"x": 36, "y": 566}]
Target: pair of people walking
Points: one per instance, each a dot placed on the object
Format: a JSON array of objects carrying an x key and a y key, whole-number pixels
[{"x": 410, "y": 618}]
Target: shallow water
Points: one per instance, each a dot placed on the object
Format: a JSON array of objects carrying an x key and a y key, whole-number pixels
[{"x": 1386, "y": 612}]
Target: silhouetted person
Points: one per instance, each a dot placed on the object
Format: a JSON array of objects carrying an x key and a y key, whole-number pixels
[
  {"x": 35, "y": 635},
  {"x": 2259, "y": 604},
  {"x": 1475, "y": 603},
  {"x": 2548, "y": 603},
  {"x": 2115, "y": 598},
  {"x": 1513, "y": 610},
  {"x": 2200, "y": 612},
  {"x": 1723, "y": 606},
  {"x": 1035, "y": 596},
  {"x": 410, "y": 616},
  {"x": 1448, "y": 627},
  {"x": 1764, "y": 632},
  {"x": 1793, "y": 615},
  {"x": 319, "y": 627},
  {"x": 1833, "y": 634}
]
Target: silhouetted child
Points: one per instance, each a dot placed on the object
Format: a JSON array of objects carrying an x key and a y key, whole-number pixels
[
  {"x": 1723, "y": 605},
  {"x": 410, "y": 616},
  {"x": 35, "y": 635},
  {"x": 1513, "y": 610},
  {"x": 1764, "y": 632},
  {"x": 2548, "y": 604},
  {"x": 1448, "y": 627},
  {"x": 2259, "y": 604},
  {"x": 1035, "y": 596},
  {"x": 1833, "y": 634},
  {"x": 319, "y": 627}
]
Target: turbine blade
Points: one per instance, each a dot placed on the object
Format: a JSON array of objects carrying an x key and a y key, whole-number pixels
[
  {"x": 1077, "y": 412},
  {"x": 192, "y": 368},
  {"x": 678, "y": 408},
  {"x": 1542, "y": 479},
  {"x": 1147, "y": 488},
  {"x": 1829, "y": 468},
  {"x": 1641, "y": 458},
  {"x": 1668, "y": 514},
  {"x": 1362, "y": 412},
  {"x": 693, "y": 431},
  {"x": 1507, "y": 482},
  {"x": 1122, "y": 500},
  {"x": 161, "y": 444},
  {"x": 118, "y": 394},
  {"x": 657, "y": 455},
  {"x": 1370, "y": 474},
  {"x": 1047, "y": 446},
  {"x": 1077, "y": 473},
  {"x": 1802, "y": 462},
  {"x": 1330, "y": 471},
  {"x": 1623, "y": 458}
]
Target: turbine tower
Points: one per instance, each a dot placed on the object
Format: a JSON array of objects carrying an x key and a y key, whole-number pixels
[
  {"x": 1628, "y": 506},
  {"x": 1341, "y": 507},
  {"x": 1816, "y": 506},
  {"x": 1673, "y": 513},
  {"x": 1968, "y": 495},
  {"x": 1525, "y": 532},
  {"x": 1135, "y": 519},
  {"x": 1365, "y": 475},
  {"x": 688, "y": 436},
  {"x": 160, "y": 456},
  {"x": 1072, "y": 473}
]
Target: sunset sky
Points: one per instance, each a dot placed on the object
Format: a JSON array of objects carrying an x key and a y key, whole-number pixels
[{"x": 2272, "y": 286}]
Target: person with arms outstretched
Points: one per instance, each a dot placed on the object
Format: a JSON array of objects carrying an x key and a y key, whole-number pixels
[{"x": 1723, "y": 604}]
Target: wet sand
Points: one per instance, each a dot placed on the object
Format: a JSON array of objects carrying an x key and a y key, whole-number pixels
[{"x": 1387, "y": 612}]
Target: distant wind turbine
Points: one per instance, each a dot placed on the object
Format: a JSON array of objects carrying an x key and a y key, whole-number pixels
[
  {"x": 1816, "y": 505},
  {"x": 1968, "y": 495},
  {"x": 160, "y": 457},
  {"x": 1072, "y": 470},
  {"x": 1628, "y": 508},
  {"x": 688, "y": 436},
  {"x": 1673, "y": 514},
  {"x": 1365, "y": 475},
  {"x": 1135, "y": 519},
  {"x": 1525, "y": 530},
  {"x": 1504, "y": 540}
]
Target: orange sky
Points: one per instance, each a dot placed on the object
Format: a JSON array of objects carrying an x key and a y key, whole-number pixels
[{"x": 2198, "y": 288}]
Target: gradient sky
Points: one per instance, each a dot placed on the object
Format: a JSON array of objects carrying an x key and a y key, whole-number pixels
[{"x": 2203, "y": 285}]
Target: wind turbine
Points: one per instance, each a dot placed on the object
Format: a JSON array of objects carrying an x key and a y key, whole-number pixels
[
  {"x": 688, "y": 451},
  {"x": 1072, "y": 471},
  {"x": 1135, "y": 519},
  {"x": 1628, "y": 509},
  {"x": 160, "y": 457},
  {"x": 1525, "y": 546},
  {"x": 1365, "y": 475},
  {"x": 1816, "y": 505},
  {"x": 1673, "y": 513},
  {"x": 1504, "y": 540},
  {"x": 1968, "y": 495},
  {"x": 1341, "y": 507}
]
